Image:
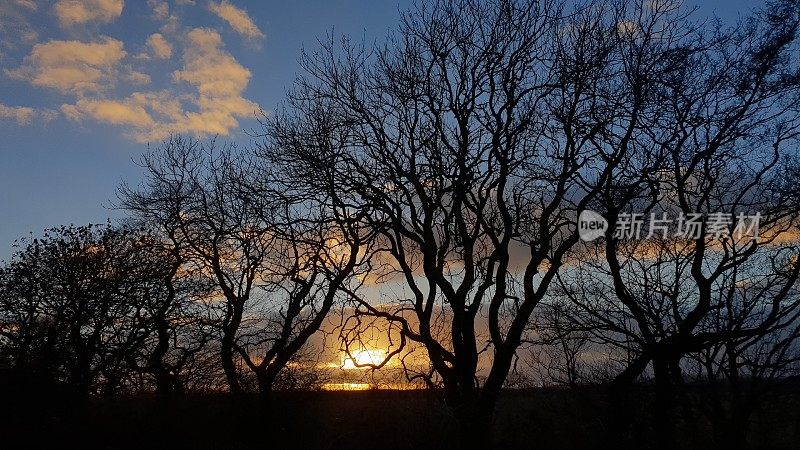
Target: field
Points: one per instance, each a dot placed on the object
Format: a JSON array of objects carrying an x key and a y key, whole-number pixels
[{"x": 543, "y": 418}]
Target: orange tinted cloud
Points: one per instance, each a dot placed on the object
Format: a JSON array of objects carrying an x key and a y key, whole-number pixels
[
  {"x": 72, "y": 67},
  {"x": 24, "y": 115},
  {"x": 16, "y": 30},
  {"x": 160, "y": 9},
  {"x": 215, "y": 73},
  {"x": 159, "y": 46},
  {"x": 220, "y": 82},
  {"x": 115, "y": 112},
  {"x": 77, "y": 12},
  {"x": 27, "y": 4},
  {"x": 214, "y": 107},
  {"x": 237, "y": 18}
]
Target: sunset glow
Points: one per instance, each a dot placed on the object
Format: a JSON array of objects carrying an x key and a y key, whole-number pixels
[
  {"x": 424, "y": 224},
  {"x": 362, "y": 359}
]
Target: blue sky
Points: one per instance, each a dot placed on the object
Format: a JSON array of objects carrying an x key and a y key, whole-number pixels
[{"x": 86, "y": 84}]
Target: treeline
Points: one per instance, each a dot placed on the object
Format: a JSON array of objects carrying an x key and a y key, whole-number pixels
[
  {"x": 100, "y": 309},
  {"x": 213, "y": 281},
  {"x": 450, "y": 165}
]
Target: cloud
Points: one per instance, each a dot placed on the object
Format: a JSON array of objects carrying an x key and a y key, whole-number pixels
[
  {"x": 237, "y": 19},
  {"x": 212, "y": 70},
  {"x": 24, "y": 115},
  {"x": 206, "y": 96},
  {"x": 15, "y": 34},
  {"x": 218, "y": 82},
  {"x": 170, "y": 25},
  {"x": 160, "y": 9},
  {"x": 72, "y": 67},
  {"x": 114, "y": 112},
  {"x": 27, "y": 4},
  {"x": 20, "y": 114},
  {"x": 137, "y": 78},
  {"x": 627, "y": 29},
  {"x": 139, "y": 110},
  {"x": 77, "y": 12},
  {"x": 159, "y": 46},
  {"x": 29, "y": 36},
  {"x": 15, "y": 27},
  {"x": 160, "y": 12}
]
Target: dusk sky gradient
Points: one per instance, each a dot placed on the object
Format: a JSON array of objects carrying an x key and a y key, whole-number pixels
[{"x": 86, "y": 84}]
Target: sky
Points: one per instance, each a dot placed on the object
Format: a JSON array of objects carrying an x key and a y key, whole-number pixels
[{"x": 86, "y": 85}]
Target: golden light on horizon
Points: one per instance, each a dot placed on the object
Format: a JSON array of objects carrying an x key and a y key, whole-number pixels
[
  {"x": 346, "y": 386},
  {"x": 363, "y": 358}
]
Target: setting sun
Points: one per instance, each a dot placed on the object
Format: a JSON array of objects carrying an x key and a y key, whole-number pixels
[
  {"x": 465, "y": 224},
  {"x": 362, "y": 358}
]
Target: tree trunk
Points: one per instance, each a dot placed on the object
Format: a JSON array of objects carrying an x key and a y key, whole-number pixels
[
  {"x": 618, "y": 423},
  {"x": 163, "y": 382},
  {"x": 265, "y": 380},
  {"x": 81, "y": 372},
  {"x": 156, "y": 363},
  {"x": 228, "y": 365},
  {"x": 664, "y": 424},
  {"x": 227, "y": 346},
  {"x": 621, "y": 411}
]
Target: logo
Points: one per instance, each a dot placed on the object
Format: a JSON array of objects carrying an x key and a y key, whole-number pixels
[{"x": 591, "y": 225}]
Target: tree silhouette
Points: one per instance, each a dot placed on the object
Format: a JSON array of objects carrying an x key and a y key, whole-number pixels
[
  {"x": 721, "y": 137},
  {"x": 469, "y": 142},
  {"x": 72, "y": 302},
  {"x": 270, "y": 252}
]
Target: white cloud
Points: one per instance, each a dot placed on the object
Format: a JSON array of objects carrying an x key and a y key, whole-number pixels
[
  {"x": 237, "y": 18},
  {"x": 77, "y": 12},
  {"x": 72, "y": 67},
  {"x": 159, "y": 46}
]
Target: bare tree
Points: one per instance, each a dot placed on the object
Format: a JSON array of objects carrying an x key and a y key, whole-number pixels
[
  {"x": 469, "y": 142},
  {"x": 178, "y": 324},
  {"x": 722, "y": 136},
  {"x": 743, "y": 372},
  {"x": 270, "y": 252},
  {"x": 174, "y": 321},
  {"x": 194, "y": 187}
]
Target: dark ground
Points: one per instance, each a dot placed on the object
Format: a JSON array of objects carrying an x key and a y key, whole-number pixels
[{"x": 538, "y": 419}]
